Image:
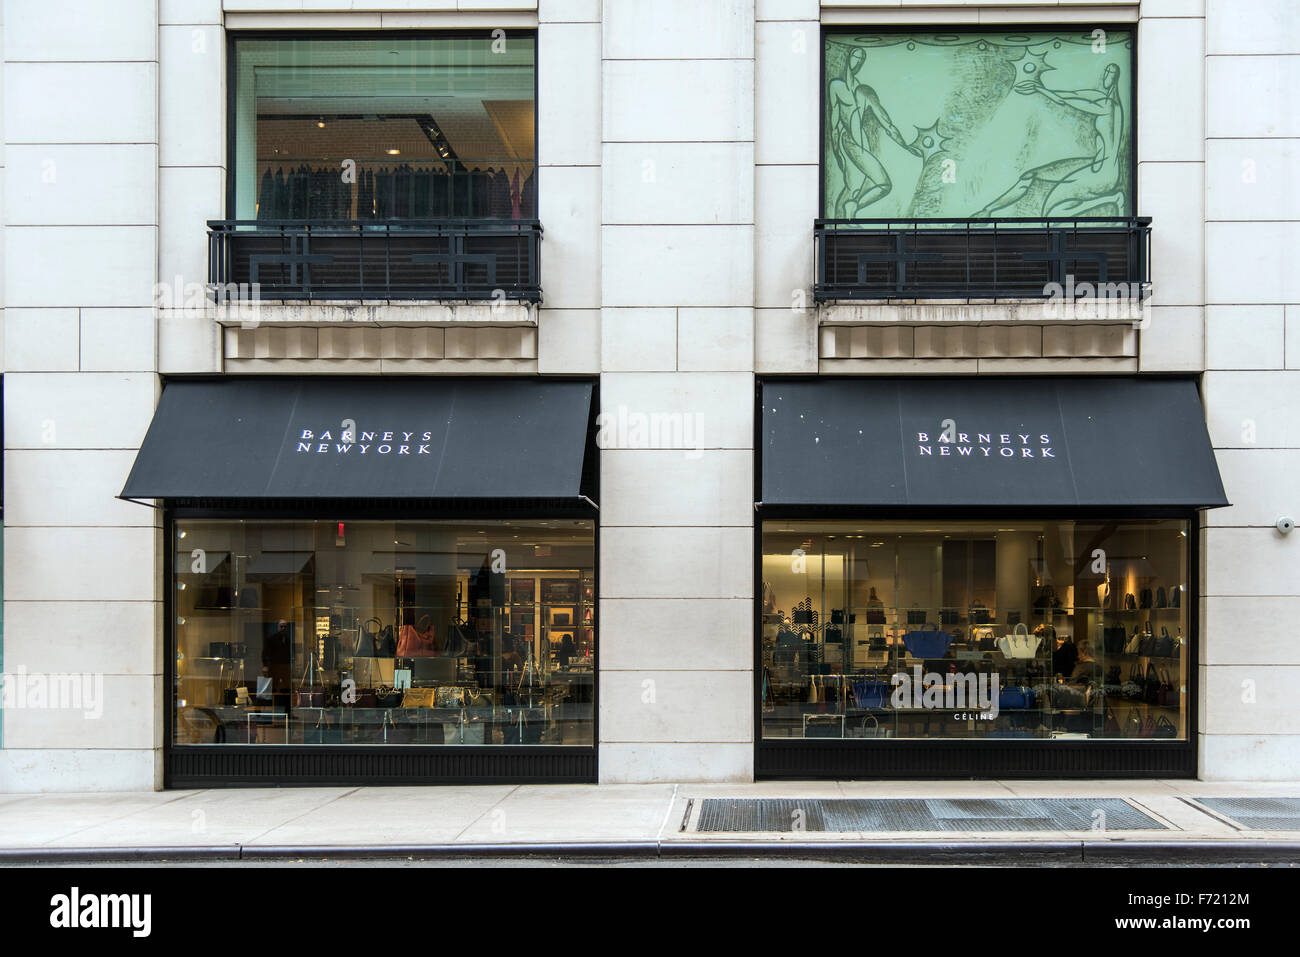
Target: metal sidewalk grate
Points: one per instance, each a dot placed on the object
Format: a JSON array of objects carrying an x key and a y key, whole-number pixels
[
  {"x": 1258, "y": 814},
  {"x": 752, "y": 815}
]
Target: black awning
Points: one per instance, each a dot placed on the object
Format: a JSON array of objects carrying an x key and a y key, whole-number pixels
[
  {"x": 1076, "y": 441},
  {"x": 378, "y": 439}
]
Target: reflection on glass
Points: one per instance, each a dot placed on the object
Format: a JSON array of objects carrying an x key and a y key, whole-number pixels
[
  {"x": 974, "y": 629},
  {"x": 384, "y": 632},
  {"x": 386, "y": 129}
]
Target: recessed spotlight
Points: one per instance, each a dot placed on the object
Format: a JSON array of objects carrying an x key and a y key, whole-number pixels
[{"x": 393, "y": 152}]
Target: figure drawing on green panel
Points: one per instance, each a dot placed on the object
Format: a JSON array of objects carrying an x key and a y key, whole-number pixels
[
  {"x": 857, "y": 118},
  {"x": 1078, "y": 185},
  {"x": 992, "y": 138}
]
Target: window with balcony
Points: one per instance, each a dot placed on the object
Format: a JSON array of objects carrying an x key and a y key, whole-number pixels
[
  {"x": 978, "y": 165},
  {"x": 371, "y": 167}
]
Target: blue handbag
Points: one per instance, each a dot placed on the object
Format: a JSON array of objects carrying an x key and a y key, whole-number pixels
[
  {"x": 870, "y": 693},
  {"x": 927, "y": 642},
  {"x": 1015, "y": 698}
]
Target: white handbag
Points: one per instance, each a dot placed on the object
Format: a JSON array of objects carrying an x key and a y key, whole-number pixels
[{"x": 1019, "y": 644}]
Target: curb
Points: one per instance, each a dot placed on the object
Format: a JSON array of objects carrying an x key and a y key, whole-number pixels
[{"x": 866, "y": 852}]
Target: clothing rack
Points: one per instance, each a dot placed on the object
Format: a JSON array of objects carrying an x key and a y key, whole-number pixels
[{"x": 396, "y": 192}]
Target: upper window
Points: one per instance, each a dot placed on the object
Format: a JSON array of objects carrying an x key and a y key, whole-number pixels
[
  {"x": 940, "y": 125},
  {"x": 392, "y": 128}
]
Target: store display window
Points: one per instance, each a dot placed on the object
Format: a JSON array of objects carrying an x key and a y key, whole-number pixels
[
  {"x": 975, "y": 630},
  {"x": 400, "y": 127},
  {"x": 447, "y": 633}
]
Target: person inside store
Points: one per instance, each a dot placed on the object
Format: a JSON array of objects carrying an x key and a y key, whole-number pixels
[
  {"x": 566, "y": 651},
  {"x": 276, "y": 651},
  {"x": 1065, "y": 655}
]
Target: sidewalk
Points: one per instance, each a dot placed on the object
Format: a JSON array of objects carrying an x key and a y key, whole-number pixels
[{"x": 1112, "y": 822}]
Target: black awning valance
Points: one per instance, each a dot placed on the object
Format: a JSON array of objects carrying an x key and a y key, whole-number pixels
[
  {"x": 1077, "y": 441},
  {"x": 377, "y": 439}
]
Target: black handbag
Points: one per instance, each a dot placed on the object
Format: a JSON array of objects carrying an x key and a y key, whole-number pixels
[
  {"x": 916, "y": 616},
  {"x": 1151, "y": 685},
  {"x": 1144, "y": 598},
  {"x": 1130, "y": 602},
  {"x": 1164, "y": 728},
  {"x": 1161, "y": 600},
  {"x": 1175, "y": 596},
  {"x": 366, "y": 640},
  {"x": 1164, "y": 645},
  {"x": 385, "y": 644},
  {"x": 1113, "y": 639}
]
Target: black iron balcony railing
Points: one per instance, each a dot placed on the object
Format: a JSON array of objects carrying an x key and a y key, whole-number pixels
[
  {"x": 1019, "y": 258},
  {"x": 471, "y": 259}
]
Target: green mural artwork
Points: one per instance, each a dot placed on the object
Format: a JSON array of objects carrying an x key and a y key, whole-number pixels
[{"x": 947, "y": 126}]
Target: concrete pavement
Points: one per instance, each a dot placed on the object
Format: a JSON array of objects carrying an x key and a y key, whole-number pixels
[{"x": 610, "y": 820}]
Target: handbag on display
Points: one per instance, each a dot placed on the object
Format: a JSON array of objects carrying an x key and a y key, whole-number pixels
[
  {"x": 802, "y": 613},
  {"x": 1175, "y": 596},
  {"x": 916, "y": 616},
  {"x": 418, "y": 698},
  {"x": 1134, "y": 643},
  {"x": 1133, "y": 687},
  {"x": 1111, "y": 728},
  {"x": 1166, "y": 693},
  {"x": 1130, "y": 602},
  {"x": 1150, "y": 684},
  {"x": 874, "y": 730},
  {"x": 1164, "y": 728},
  {"x": 388, "y": 698},
  {"x": 1164, "y": 645},
  {"x": 824, "y": 726},
  {"x": 982, "y": 636},
  {"x": 418, "y": 640},
  {"x": 1113, "y": 684},
  {"x": 1015, "y": 698},
  {"x": 449, "y": 696},
  {"x": 1046, "y": 601},
  {"x": 1133, "y": 724},
  {"x": 948, "y": 616},
  {"x": 1113, "y": 638},
  {"x": 1067, "y": 697},
  {"x": 837, "y": 616},
  {"x": 927, "y": 642},
  {"x": 1161, "y": 600},
  {"x": 368, "y": 640},
  {"x": 1148, "y": 726},
  {"x": 1147, "y": 643},
  {"x": 869, "y": 693},
  {"x": 1144, "y": 598},
  {"x": 1019, "y": 644}
]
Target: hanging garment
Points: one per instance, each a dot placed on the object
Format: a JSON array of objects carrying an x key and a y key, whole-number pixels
[
  {"x": 499, "y": 196},
  {"x": 266, "y": 196},
  {"x": 528, "y": 197}
]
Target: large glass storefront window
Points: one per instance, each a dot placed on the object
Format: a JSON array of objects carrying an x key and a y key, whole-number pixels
[
  {"x": 384, "y": 632},
  {"x": 1011, "y": 629},
  {"x": 943, "y": 125},
  {"x": 358, "y": 128}
]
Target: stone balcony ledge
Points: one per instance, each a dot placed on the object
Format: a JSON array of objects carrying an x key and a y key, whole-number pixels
[
  {"x": 376, "y": 313},
  {"x": 981, "y": 312}
]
